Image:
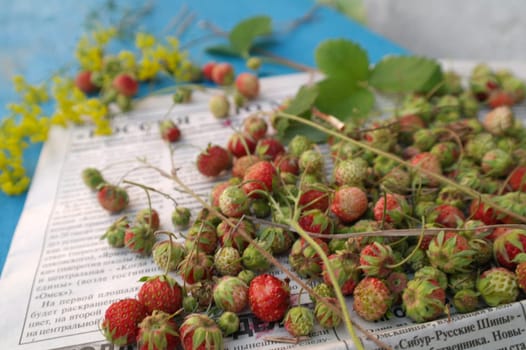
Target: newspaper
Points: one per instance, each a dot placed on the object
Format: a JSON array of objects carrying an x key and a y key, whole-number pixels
[{"x": 59, "y": 277}]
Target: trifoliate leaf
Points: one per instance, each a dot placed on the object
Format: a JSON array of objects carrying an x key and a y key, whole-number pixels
[
  {"x": 303, "y": 101},
  {"x": 403, "y": 74},
  {"x": 342, "y": 59},
  {"x": 344, "y": 99},
  {"x": 245, "y": 32}
]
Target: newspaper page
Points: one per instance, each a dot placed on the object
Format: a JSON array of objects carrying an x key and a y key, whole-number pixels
[{"x": 59, "y": 277}]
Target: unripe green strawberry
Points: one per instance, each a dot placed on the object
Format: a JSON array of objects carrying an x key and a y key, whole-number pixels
[
  {"x": 260, "y": 208},
  {"x": 299, "y": 144},
  {"x": 323, "y": 290},
  {"x": 450, "y": 252},
  {"x": 345, "y": 267},
  {"x": 327, "y": 317},
  {"x": 448, "y": 109},
  {"x": 452, "y": 84},
  {"x": 228, "y": 322},
  {"x": 424, "y": 139},
  {"x": 381, "y": 137},
  {"x": 112, "y": 198},
  {"x": 190, "y": 304},
  {"x": 496, "y": 163},
  {"x": 447, "y": 153},
  {"x": 499, "y": 120},
  {"x": 202, "y": 236},
  {"x": 418, "y": 259},
  {"x": 195, "y": 267},
  {"x": 479, "y": 145},
  {"x": 432, "y": 273},
  {"x": 140, "y": 239},
  {"x": 498, "y": 286},
  {"x": 168, "y": 254},
  {"x": 372, "y": 299},
  {"x": 305, "y": 260},
  {"x": 466, "y": 300},
  {"x": 299, "y": 321},
  {"x": 182, "y": 95},
  {"x": 115, "y": 233},
  {"x": 219, "y": 106},
  {"x": 451, "y": 196},
  {"x": 352, "y": 172},
  {"x": 227, "y": 261},
  {"x": 181, "y": 217},
  {"x": 121, "y": 321},
  {"x": 460, "y": 281},
  {"x": 311, "y": 162},
  {"x": 246, "y": 276},
  {"x": 423, "y": 300},
  {"x": 148, "y": 217},
  {"x": 160, "y": 293},
  {"x": 469, "y": 104},
  {"x": 253, "y": 63},
  {"x": 158, "y": 331},
  {"x": 483, "y": 249},
  {"x": 279, "y": 239},
  {"x": 396, "y": 180},
  {"x": 92, "y": 178},
  {"x": 418, "y": 105},
  {"x": 233, "y": 202},
  {"x": 253, "y": 259},
  {"x": 382, "y": 165},
  {"x": 231, "y": 294},
  {"x": 200, "y": 332}
]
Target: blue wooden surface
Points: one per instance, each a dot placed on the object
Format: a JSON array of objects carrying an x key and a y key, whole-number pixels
[{"x": 38, "y": 38}]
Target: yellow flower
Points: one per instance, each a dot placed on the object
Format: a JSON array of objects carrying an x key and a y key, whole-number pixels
[
  {"x": 103, "y": 36},
  {"x": 148, "y": 69},
  {"x": 127, "y": 59},
  {"x": 144, "y": 40}
]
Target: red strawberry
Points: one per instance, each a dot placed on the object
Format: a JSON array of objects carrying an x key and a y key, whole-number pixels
[
  {"x": 395, "y": 207},
  {"x": 372, "y": 299},
  {"x": 316, "y": 221},
  {"x": 207, "y": 70},
  {"x": 268, "y": 297},
  {"x": 427, "y": 161},
  {"x": 121, "y": 321},
  {"x": 255, "y": 126},
  {"x": 269, "y": 148},
  {"x": 375, "y": 260},
  {"x": 482, "y": 212},
  {"x": 248, "y": 85},
  {"x": 242, "y": 164},
  {"x": 169, "y": 131},
  {"x": 231, "y": 294},
  {"x": 499, "y": 98},
  {"x": 345, "y": 267},
  {"x": 213, "y": 161},
  {"x": 139, "y": 239},
  {"x": 520, "y": 272},
  {"x": 195, "y": 267},
  {"x": 517, "y": 180},
  {"x": 508, "y": 246},
  {"x": 125, "y": 84},
  {"x": 231, "y": 236},
  {"x": 146, "y": 217},
  {"x": 202, "y": 235},
  {"x": 222, "y": 73},
  {"x": 241, "y": 144},
  {"x": 160, "y": 293},
  {"x": 216, "y": 192},
  {"x": 447, "y": 216},
  {"x": 158, "y": 332},
  {"x": 450, "y": 252},
  {"x": 261, "y": 176},
  {"x": 200, "y": 332},
  {"x": 112, "y": 198},
  {"x": 349, "y": 203},
  {"x": 286, "y": 163},
  {"x": 314, "y": 199},
  {"x": 84, "y": 83}
]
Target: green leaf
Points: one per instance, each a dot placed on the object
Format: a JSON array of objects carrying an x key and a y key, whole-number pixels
[
  {"x": 403, "y": 74},
  {"x": 342, "y": 59},
  {"x": 343, "y": 99},
  {"x": 223, "y": 50},
  {"x": 303, "y": 101},
  {"x": 295, "y": 128},
  {"x": 245, "y": 32}
]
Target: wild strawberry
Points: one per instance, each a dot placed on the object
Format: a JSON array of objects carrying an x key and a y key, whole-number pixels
[
  {"x": 428, "y": 162},
  {"x": 517, "y": 180},
  {"x": 202, "y": 235},
  {"x": 207, "y": 70},
  {"x": 466, "y": 300},
  {"x": 432, "y": 273},
  {"x": 305, "y": 260},
  {"x": 496, "y": 163},
  {"x": 112, "y": 198},
  {"x": 121, "y": 321},
  {"x": 520, "y": 273},
  {"x": 499, "y": 98},
  {"x": 253, "y": 259},
  {"x": 231, "y": 294},
  {"x": 299, "y": 144},
  {"x": 450, "y": 252},
  {"x": 228, "y": 322},
  {"x": 147, "y": 217},
  {"x": 167, "y": 254},
  {"x": 397, "y": 282},
  {"x": 84, "y": 83},
  {"x": 202, "y": 291},
  {"x": 314, "y": 199},
  {"x": 375, "y": 259},
  {"x": 232, "y": 237},
  {"x": 349, "y": 203},
  {"x": 139, "y": 239},
  {"x": 200, "y": 332},
  {"x": 299, "y": 321},
  {"x": 227, "y": 261},
  {"x": 125, "y": 84},
  {"x": 483, "y": 251},
  {"x": 409, "y": 124},
  {"x": 158, "y": 332},
  {"x": 219, "y": 106},
  {"x": 459, "y": 281},
  {"x": 498, "y": 286},
  {"x": 499, "y": 120},
  {"x": 326, "y": 316},
  {"x": 396, "y": 180},
  {"x": 268, "y": 297},
  {"x": 287, "y": 164},
  {"x": 261, "y": 176},
  {"x": 181, "y": 217},
  {"x": 392, "y": 209},
  {"x": 509, "y": 246},
  {"x": 269, "y": 148},
  {"x": 246, "y": 276},
  {"x": 372, "y": 299},
  {"x": 424, "y": 139},
  {"x": 255, "y": 126},
  {"x": 160, "y": 293},
  {"x": 380, "y": 137},
  {"x": 233, "y": 202},
  {"x": 447, "y": 215},
  {"x": 447, "y": 153},
  {"x": 242, "y": 164},
  {"x": 423, "y": 300},
  {"x": 213, "y": 161},
  {"x": 115, "y": 233},
  {"x": 316, "y": 221},
  {"x": 182, "y": 94},
  {"x": 248, "y": 85},
  {"x": 351, "y": 172},
  {"x": 223, "y": 73},
  {"x": 279, "y": 239},
  {"x": 240, "y": 144},
  {"x": 482, "y": 212},
  {"x": 169, "y": 131},
  {"x": 195, "y": 267},
  {"x": 311, "y": 162},
  {"x": 92, "y": 178},
  {"x": 345, "y": 267}
]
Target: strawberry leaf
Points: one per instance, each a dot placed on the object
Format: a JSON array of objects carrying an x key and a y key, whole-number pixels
[
  {"x": 303, "y": 101},
  {"x": 224, "y": 50},
  {"x": 403, "y": 74},
  {"x": 242, "y": 36},
  {"x": 342, "y": 59},
  {"x": 344, "y": 100},
  {"x": 285, "y": 134}
]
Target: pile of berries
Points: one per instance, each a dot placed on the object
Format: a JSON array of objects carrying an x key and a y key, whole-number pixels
[{"x": 336, "y": 197}]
